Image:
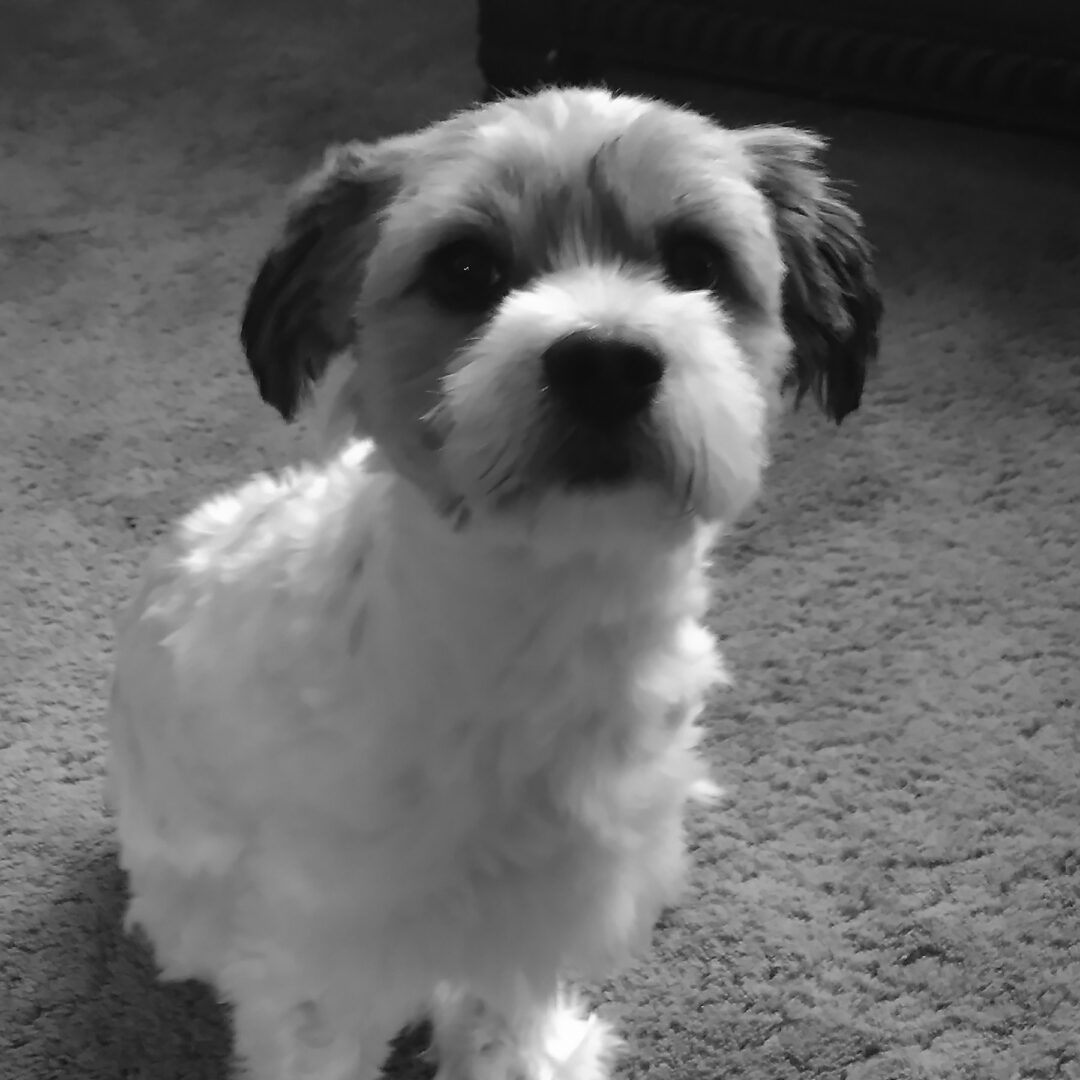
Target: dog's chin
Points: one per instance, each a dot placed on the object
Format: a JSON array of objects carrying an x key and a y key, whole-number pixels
[
  {"x": 566, "y": 519},
  {"x": 638, "y": 482},
  {"x": 576, "y": 464},
  {"x": 601, "y": 462},
  {"x": 602, "y": 504},
  {"x": 635, "y": 480}
]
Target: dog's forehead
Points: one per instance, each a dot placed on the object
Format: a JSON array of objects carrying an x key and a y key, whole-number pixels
[
  {"x": 566, "y": 177},
  {"x": 559, "y": 136},
  {"x": 583, "y": 168},
  {"x": 572, "y": 119}
]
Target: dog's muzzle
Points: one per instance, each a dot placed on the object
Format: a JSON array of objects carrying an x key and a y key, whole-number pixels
[{"x": 601, "y": 386}]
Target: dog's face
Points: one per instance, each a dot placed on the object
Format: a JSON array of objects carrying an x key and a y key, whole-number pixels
[{"x": 570, "y": 296}]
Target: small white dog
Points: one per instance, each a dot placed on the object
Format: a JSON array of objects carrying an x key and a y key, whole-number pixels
[{"x": 413, "y": 728}]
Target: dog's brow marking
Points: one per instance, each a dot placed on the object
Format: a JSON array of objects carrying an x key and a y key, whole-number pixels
[
  {"x": 613, "y": 226},
  {"x": 584, "y": 219}
]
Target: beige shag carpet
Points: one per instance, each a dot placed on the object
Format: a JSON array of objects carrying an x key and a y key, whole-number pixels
[{"x": 892, "y": 891}]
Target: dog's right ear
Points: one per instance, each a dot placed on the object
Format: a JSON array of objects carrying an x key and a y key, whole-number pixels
[{"x": 300, "y": 312}]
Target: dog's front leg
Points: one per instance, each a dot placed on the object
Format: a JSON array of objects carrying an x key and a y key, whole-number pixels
[
  {"x": 301, "y": 1042},
  {"x": 525, "y": 1037}
]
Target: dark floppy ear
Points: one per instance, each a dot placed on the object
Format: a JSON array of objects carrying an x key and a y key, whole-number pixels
[
  {"x": 832, "y": 305},
  {"x": 300, "y": 312}
]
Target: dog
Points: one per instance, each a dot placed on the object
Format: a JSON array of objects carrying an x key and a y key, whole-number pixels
[{"x": 411, "y": 730}]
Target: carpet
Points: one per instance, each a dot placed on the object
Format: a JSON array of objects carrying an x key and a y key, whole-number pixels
[{"x": 891, "y": 890}]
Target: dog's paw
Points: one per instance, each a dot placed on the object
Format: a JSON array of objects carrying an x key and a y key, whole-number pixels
[
  {"x": 472, "y": 1042},
  {"x": 498, "y": 1061},
  {"x": 564, "y": 1042},
  {"x": 576, "y": 1046}
]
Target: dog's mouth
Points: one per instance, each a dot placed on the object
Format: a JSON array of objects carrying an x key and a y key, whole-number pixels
[
  {"x": 586, "y": 458},
  {"x": 557, "y": 453},
  {"x": 579, "y": 459},
  {"x": 598, "y": 460}
]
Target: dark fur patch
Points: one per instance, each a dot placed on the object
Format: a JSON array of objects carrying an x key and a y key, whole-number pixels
[
  {"x": 832, "y": 304},
  {"x": 299, "y": 312}
]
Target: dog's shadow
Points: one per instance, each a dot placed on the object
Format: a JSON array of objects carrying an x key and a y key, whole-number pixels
[{"x": 88, "y": 1002}]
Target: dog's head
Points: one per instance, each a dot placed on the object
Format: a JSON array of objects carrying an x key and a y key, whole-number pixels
[{"x": 571, "y": 295}]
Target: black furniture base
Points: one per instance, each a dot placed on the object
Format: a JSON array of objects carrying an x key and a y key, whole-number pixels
[{"x": 1011, "y": 63}]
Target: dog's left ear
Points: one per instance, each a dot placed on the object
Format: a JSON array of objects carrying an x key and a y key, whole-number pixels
[
  {"x": 832, "y": 305},
  {"x": 300, "y": 311}
]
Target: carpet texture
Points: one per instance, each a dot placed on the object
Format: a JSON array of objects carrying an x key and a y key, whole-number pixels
[{"x": 891, "y": 891}]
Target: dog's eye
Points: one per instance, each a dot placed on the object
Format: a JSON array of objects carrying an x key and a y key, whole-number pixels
[
  {"x": 693, "y": 263},
  {"x": 465, "y": 275}
]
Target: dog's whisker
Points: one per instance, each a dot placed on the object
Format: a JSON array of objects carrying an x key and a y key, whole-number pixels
[
  {"x": 496, "y": 462},
  {"x": 689, "y": 488}
]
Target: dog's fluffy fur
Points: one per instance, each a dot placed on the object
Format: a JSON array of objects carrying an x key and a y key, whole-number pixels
[{"x": 413, "y": 728}]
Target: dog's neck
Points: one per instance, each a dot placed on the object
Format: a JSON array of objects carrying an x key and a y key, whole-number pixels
[
  {"x": 553, "y": 660},
  {"x": 617, "y": 554},
  {"x": 520, "y": 649}
]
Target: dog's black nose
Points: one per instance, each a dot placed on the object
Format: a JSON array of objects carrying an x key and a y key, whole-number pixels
[{"x": 601, "y": 378}]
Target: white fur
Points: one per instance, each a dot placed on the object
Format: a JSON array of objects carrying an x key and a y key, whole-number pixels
[
  {"x": 370, "y": 759},
  {"x": 355, "y": 753}
]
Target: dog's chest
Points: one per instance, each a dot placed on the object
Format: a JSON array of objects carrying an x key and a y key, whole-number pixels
[{"x": 519, "y": 730}]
